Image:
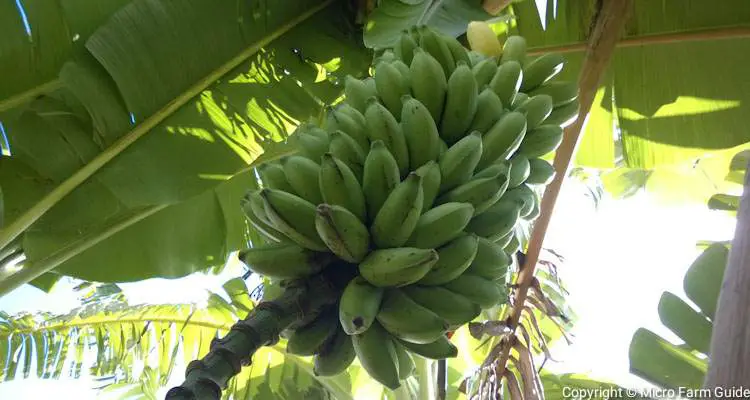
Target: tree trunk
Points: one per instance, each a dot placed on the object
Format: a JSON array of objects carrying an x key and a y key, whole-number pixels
[
  {"x": 729, "y": 364},
  {"x": 300, "y": 302}
]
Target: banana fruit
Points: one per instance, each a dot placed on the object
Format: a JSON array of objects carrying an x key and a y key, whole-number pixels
[
  {"x": 285, "y": 260},
  {"x": 453, "y": 259},
  {"x": 440, "y": 225},
  {"x": 344, "y": 234},
  {"x": 359, "y": 305},
  {"x": 410, "y": 197},
  {"x": 407, "y": 320},
  {"x": 335, "y": 357},
  {"x": 397, "y": 218},
  {"x": 309, "y": 339},
  {"x": 397, "y": 267},
  {"x": 377, "y": 354}
]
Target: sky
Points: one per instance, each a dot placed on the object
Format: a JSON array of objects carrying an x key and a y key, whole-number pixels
[{"x": 619, "y": 258}]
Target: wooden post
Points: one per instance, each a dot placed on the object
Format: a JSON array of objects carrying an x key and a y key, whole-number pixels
[{"x": 729, "y": 361}]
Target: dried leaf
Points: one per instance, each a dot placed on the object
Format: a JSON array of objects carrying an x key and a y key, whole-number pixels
[{"x": 514, "y": 388}]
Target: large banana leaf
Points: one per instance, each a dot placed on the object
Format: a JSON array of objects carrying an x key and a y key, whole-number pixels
[
  {"x": 37, "y": 37},
  {"x": 204, "y": 102},
  {"x": 669, "y": 365},
  {"x": 660, "y": 104}
]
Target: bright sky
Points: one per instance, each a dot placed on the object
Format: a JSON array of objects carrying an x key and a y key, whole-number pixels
[{"x": 619, "y": 259}]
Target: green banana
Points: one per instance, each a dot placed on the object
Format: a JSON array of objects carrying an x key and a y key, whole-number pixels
[
  {"x": 536, "y": 109},
  {"x": 481, "y": 192},
  {"x": 458, "y": 51},
  {"x": 513, "y": 245},
  {"x": 453, "y": 307},
  {"x": 404, "y": 48},
  {"x": 542, "y": 140},
  {"x": 397, "y": 267},
  {"x": 428, "y": 83},
  {"x": 403, "y": 318},
  {"x": 460, "y": 104},
  {"x": 382, "y": 125},
  {"x": 302, "y": 173},
  {"x": 405, "y": 72},
  {"x": 339, "y": 186},
  {"x": 518, "y": 100},
  {"x": 440, "y": 349},
  {"x": 490, "y": 262},
  {"x": 458, "y": 163},
  {"x": 484, "y": 71},
  {"x": 453, "y": 259},
  {"x": 503, "y": 139},
  {"x": 430, "y": 173},
  {"x": 347, "y": 150},
  {"x": 293, "y": 216},
  {"x": 380, "y": 177},
  {"x": 347, "y": 109},
  {"x": 406, "y": 365},
  {"x": 482, "y": 291},
  {"x": 399, "y": 214},
  {"x": 502, "y": 167},
  {"x": 489, "y": 111},
  {"x": 273, "y": 177},
  {"x": 415, "y": 35},
  {"x": 420, "y": 132},
  {"x": 432, "y": 44},
  {"x": 342, "y": 232},
  {"x": 377, "y": 354},
  {"x": 520, "y": 168},
  {"x": 496, "y": 221},
  {"x": 358, "y": 91},
  {"x": 309, "y": 339},
  {"x": 391, "y": 85},
  {"x": 440, "y": 225},
  {"x": 348, "y": 123},
  {"x": 523, "y": 196},
  {"x": 476, "y": 57},
  {"x": 359, "y": 304},
  {"x": 541, "y": 70},
  {"x": 311, "y": 146},
  {"x": 252, "y": 205},
  {"x": 564, "y": 115},
  {"x": 535, "y": 211},
  {"x": 541, "y": 172},
  {"x": 335, "y": 357},
  {"x": 285, "y": 260},
  {"x": 504, "y": 240},
  {"x": 385, "y": 57},
  {"x": 562, "y": 93},
  {"x": 507, "y": 81},
  {"x": 514, "y": 49}
]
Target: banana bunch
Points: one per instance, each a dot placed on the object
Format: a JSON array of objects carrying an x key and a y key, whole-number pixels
[{"x": 413, "y": 186}]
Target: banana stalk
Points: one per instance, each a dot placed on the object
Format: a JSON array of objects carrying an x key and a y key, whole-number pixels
[{"x": 205, "y": 378}]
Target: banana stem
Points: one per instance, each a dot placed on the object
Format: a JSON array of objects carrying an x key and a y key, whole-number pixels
[
  {"x": 425, "y": 372},
  {"x": 207, "y": 377}
]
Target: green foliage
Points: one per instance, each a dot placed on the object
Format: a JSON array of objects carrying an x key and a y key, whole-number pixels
[
  {"x": 137, "y": 347},
  {"x": 165, "y": 206},
  {"x": 672, "y": 114},
  {"x": 671, "y": 366}
]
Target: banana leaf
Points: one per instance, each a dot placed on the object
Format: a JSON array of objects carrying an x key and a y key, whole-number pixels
[{"x": 199, "y": 106}]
